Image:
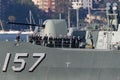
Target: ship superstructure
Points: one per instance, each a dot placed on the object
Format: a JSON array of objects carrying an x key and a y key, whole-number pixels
[{"x": 28, "y": 61}]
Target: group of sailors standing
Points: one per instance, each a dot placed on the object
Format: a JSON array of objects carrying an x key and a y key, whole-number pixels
[{"x": 58, "y": 41}]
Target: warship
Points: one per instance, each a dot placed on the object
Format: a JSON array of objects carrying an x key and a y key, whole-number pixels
[{"x": 28, "y": 61}]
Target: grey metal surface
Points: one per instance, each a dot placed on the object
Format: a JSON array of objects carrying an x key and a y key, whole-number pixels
[{"x": 62, "y": 64}]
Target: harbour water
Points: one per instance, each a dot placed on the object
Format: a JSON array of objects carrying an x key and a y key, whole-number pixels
[{"x": 12, "y": 37}]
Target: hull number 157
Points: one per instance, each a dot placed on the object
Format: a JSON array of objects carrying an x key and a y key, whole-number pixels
[{"x": 21, "y": 62}]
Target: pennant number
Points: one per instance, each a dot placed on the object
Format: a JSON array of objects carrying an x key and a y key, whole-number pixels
[{"x": 19, "y": 62}]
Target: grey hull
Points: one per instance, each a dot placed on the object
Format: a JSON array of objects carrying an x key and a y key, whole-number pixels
[{"x": 61, "y": 63}]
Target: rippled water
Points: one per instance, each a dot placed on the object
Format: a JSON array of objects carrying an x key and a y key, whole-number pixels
[{"x": 12, "y": 37}]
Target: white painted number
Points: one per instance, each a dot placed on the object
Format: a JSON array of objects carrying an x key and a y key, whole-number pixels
[
  {"x": 21, "y": 61},
  {"x": 7, "y": 59},
  {"x": 41, "y": 57}
]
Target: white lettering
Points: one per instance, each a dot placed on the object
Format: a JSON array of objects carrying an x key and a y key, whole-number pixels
[
  {"x": 7, "y": 59},
  {"x": 21, "y": 62},
  {"x": 41, "y": 57}
]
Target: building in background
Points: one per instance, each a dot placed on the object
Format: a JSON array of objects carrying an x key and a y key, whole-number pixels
[
  {"x": 46, "y": 5},
  {"x": 84, "y": 3},
  {"x": 53, "y": 5}
]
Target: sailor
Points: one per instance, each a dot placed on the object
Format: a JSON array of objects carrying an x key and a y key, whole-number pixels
[
  {"x": 67, "y": 41},
  {"x": 31, "y": 38},
  {"x": 78, "y": 40},
  {"x": 64, "y": 41},
  {"x": 18, "y": 38},
  {"x": 116, "y": 46},
  {"x": 55, "y": 41},
  {"x": 89, "y": 41},
  {"x": 70, "y": 45},
  {"x": 34, "y": 37},
  {"x": 60, "y": 41},
  {"x": 45, "y": 40},
  {"x": 38, "y": 40},
  {"x": 50, "y": 41},
  {"x": 73, "y": 42}
]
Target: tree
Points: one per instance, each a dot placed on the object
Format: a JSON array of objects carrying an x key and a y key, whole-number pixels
[
  {"x": 62, "y": 6},
  {"x": 11, "y": 18},
  {"x": 23, "y": 1}
]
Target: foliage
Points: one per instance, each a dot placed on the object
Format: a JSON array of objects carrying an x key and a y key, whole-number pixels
[
  {"x": 23, "y": 1},
  {"x": 20, "y": 11}
]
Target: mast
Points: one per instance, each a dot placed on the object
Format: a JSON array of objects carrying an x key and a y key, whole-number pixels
[
  {"x": 76, "y": 5},
  {"x": 30, "y": 19},
  {"x": 89, "y": 12},
  {"x": 1, "y": 25},
  {"x": 68, "y": 17}
]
